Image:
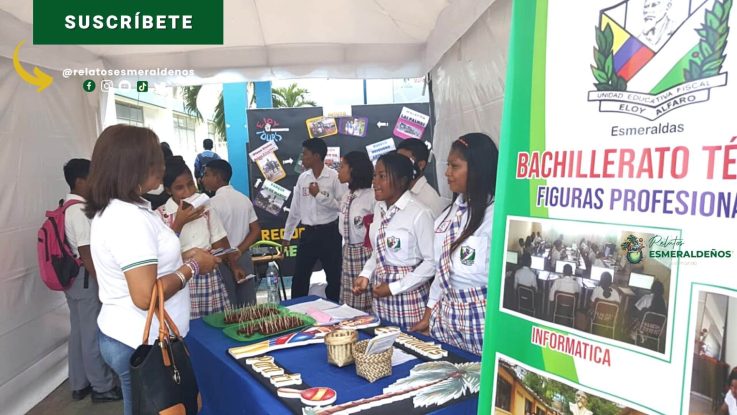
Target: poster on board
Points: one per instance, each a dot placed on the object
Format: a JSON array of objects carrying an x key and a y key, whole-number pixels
[{"x": 616, "y": 191}]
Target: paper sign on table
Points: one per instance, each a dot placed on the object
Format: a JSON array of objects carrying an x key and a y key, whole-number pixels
[{"x": 381, "y": 342}]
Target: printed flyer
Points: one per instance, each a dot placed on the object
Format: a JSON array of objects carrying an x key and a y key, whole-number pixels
[{"x": 614, "y": 288}]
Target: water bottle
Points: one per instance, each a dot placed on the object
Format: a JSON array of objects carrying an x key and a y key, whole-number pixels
[{"x": 272, "y": 283}]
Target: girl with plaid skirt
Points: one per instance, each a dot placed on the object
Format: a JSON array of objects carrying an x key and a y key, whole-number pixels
[
  {"x": 456, "y": 308},
  {"x": 401, "y": 266},
  {"x": 197, "y": 228},
  {"x": 356, "y": 208}
]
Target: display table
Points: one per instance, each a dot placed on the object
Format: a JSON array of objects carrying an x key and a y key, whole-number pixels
[{"x": 227, "y": 388}]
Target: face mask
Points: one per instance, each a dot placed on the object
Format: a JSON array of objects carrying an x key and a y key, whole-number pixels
[{"x": 157, "y": 191}]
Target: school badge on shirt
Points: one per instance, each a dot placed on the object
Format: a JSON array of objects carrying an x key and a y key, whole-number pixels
[
  {"x": 468, "y": 255},
  {"x": 393, "y": 243},
  {"x": 358, "y": 221}
]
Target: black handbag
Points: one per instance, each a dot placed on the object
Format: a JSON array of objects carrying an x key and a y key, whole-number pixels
[{"x": 162, "y": 378}]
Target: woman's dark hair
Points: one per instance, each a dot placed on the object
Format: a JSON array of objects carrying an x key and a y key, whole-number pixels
[
  {"x": 399, "y": 169},
  {"x": 124, "y": 157},
  {"x": 175, "y": 167},
  {"x": 166, "y": 150},
  {"x": 605, "y": 282},
  {"x": 658, "y": 304},
  {"x": 482, "y": 156},
  {"x": 362, "y": 171}
]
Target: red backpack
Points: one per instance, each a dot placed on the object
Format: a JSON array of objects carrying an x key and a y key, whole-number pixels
[{"x": 56, "y": 262}]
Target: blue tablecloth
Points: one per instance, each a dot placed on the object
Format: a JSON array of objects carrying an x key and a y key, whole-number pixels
[{"x": 228, "y": 389}]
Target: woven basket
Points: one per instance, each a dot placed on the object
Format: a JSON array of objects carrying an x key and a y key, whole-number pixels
[
  {"x": 339, "y": 344},
  {"x": 372, "y": 366}
]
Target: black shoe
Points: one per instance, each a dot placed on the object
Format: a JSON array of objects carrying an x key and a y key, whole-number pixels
[
  {"x": 80, "y": 394},
  {"x": 113, "y": 394}
]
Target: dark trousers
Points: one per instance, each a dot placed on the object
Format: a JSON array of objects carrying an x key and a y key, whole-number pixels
[{"x": 321, "y": 242}]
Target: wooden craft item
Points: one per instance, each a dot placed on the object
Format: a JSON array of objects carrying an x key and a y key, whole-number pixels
[
  {"x": 319, "y": 396},
  {"x": 286, "y": 380}
]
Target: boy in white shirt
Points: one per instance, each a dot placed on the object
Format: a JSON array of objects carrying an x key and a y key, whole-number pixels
[
  {"x": 419, "y": 188},
  {"x": 241, "y": 224},
  {"x": 315, "y": 203},
  {"x": 88, "y": 373}
]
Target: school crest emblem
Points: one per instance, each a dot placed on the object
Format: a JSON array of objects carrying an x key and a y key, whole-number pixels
[
  {"x": 468, "y": 255},
  {"x": 393, "y": 243},
  {"x": 654, "y": 56},
  {"x": 358, "y": 221}
]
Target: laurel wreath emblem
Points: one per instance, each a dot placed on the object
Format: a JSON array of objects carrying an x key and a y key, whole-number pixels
[
  {"x": 713, "y": 33},
  {"x": 606, "y": 78}
]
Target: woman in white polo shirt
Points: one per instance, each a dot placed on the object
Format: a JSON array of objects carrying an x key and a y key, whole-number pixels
[
  {"x": 401, "y": 266},
  {"x": 131, "y": 247},
  {"x": 456, "y": 308}
]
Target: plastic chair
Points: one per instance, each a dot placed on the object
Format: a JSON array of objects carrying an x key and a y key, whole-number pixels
[
  {"x": 263, "y": 261},
  {"x": 526, "y": 300},
  {"x": 605, "y": 318},
  {"x": 564, "y": 308},
  {"x": 651, "y": 330}
]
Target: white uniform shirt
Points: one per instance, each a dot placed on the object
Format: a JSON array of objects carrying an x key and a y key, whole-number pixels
[
  {"x": 235, "y": 211},
  {"x": 598, "y": 294},
  {"x": 200, "y": 233},
  {"x": 320, "y": 209},
  {"x": 362, "y": 205},
  {"x": 731, "y": 403},
  {"x": 471, "y": 271},
  {"x": 76, "y": 224},
  {"x": 566, "y": 284},
  {"x": 123, "y": 237},
  {"x": 525, "y": 276},
  {"x": 425, "y": 194},
  {"x": 412, "y": 228}
]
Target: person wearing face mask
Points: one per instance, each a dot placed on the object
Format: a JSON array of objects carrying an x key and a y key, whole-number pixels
[
  {"x": 401, "y": 266},
  {"x": 456, "y": 308},
  {"x": 131, "y": 247}
]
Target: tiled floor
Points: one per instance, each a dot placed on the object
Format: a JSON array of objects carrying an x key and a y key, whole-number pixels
[{"x": 60, "y": 402}]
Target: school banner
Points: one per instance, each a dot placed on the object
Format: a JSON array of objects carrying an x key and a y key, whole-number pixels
[{"x": 614, "y": 277}]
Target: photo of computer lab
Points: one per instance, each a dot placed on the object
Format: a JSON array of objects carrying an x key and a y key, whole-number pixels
[
  {"x": 578, "y": 275},
  {"x": 714, "y": 368}
]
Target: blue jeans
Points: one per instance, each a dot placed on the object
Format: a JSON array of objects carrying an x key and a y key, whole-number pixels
[{"x": 118, "y": 355}]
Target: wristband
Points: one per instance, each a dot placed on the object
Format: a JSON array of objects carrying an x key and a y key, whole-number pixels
[
  {"x": 193, "y": 266},
  {"x": 182, "y": 278}
]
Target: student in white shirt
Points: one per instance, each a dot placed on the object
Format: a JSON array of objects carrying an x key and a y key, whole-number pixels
[
  {"x": 401, "y": 266},
  {"x": 730, "y": 398},
  {"x": 132, "y": 248},
  {"x": 239, "y": 219},
  {"x": 357, "y": 171},
  {"x": 525, "y": 275},
  {"x": 456, "y": 308},
  {"x": 567, "y": 283},
  {"x": 420, "y": 189},
  {"x": 88, "y": 373},
  {"x": 604, "y": 291},
  {"x": 197, "y": 228},
  {"x": 315, "y": 203}
]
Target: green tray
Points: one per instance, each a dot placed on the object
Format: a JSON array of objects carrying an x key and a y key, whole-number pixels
[
  {"x": 217, "y": 320},
  {"x": 232, "y": 330}
]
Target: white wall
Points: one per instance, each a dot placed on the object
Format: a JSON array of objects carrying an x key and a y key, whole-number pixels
[
  {"x": 468, "y": 83},
  {"x": 39, "y": 132}
]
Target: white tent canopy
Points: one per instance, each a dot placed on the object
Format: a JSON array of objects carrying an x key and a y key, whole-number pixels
[
  {"x": 460, "y": 43},
  {"x": 280, "y": 39}
]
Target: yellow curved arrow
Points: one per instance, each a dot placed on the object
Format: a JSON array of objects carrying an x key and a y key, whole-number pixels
[{"x": 41, "y": 79}]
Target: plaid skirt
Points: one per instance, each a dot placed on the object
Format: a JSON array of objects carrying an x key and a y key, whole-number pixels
[
  {"x": 207, "y": 294},
  {"x": 458, "y": 319},
  {"x": 404, "y": 309},
  {"x": 354, "y": 258}
]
